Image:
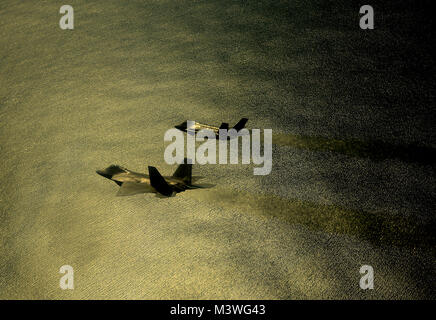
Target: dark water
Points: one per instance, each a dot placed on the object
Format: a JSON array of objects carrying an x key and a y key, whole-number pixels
[{"x": 353, "y": 160}]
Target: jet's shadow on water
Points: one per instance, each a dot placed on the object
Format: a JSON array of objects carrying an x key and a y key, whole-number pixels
[
  {"x": 374, "y": 150},
  {"x": 373, "y": 227}
]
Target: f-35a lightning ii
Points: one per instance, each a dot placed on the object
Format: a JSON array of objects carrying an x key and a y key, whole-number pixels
[
  {"x": 199, "y": 126},
  {"x": 133, "y": 183}
]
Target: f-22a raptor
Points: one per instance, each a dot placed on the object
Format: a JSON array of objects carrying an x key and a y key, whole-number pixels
[
  {"x": 199, "y": 126},
  {"x": 133, "y": 183}
]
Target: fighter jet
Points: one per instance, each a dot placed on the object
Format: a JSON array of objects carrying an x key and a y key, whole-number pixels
[
  {"x": 199, "y": 126},
  {"x": 133, "y": 183}
]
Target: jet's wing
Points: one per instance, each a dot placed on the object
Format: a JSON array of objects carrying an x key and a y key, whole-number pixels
[
  {"x": 179, "y": 187},
  {"x": 158, "y": 182},
  {"x": 132, "y": 188}
]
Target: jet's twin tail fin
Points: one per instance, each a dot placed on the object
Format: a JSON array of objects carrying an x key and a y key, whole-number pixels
[
  {"x": 240, "y": 124},
  {"x": 224, "y": 125},
  {"x": 158, "y": 182},
  {"x": 184, "y": 172}
]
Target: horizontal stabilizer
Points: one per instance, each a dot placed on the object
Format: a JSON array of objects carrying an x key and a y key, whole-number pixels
[{"x": 201, "y": 186}]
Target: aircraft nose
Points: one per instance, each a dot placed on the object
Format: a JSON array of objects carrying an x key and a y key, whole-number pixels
[{"x": 104, "y": 174}]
